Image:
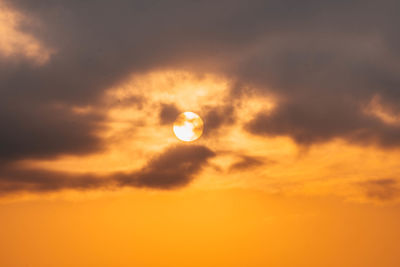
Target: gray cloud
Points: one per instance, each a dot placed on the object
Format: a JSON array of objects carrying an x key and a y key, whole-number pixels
[
  {"x": 308, "y": 124},
  {"x": 321, "y": 59},
  {"x": 216, "y": 117},
  {"x": 168, "y": 113},
  {"x": 174, "y": 168},
  {"x": 382, "y": 190},
  {"x": 44, "y": 132},
  {"x": 246, "y": 162}
]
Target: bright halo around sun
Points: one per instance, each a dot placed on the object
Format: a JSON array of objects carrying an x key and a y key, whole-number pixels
[{"x": 188, "y": 126}]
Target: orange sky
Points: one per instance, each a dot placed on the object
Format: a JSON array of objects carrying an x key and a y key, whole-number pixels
[
  {"x": 297, "y": 164},
  {"x": 197, "y": 228}
]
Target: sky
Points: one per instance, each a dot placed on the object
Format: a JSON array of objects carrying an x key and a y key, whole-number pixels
[{"x": 297, "y": 164}]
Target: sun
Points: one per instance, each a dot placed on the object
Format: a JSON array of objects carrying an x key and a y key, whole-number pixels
[{"x": 188, "y": 126}]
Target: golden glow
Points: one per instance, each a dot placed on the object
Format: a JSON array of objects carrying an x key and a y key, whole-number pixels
[
  {"x": 335, "y": 168},
  {"x": 188, "y": 126}
]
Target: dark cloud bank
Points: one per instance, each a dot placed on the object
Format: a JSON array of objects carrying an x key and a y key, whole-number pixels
[{"x": 323, "y": 61}]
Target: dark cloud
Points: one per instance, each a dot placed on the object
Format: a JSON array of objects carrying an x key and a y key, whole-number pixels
[
  {"x": 168, "y": 113},
  {"x": 135, "y": 101},
  {"x": 34, "y": 180},
  {"x": 307, "y": 124},
  {"x": 45, "y": 132},
  {"x": 246, "y": 162},
  {"x": 215, "y": 117},
  {"x": 321, "y": 59},
  {"x": 381, "y": 190},
  {"x": 324, "y": 76},
  {"x": 175, "y": 167}
]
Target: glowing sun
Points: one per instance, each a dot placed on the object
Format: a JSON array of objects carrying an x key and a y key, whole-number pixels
[{"x": 188, "y": 126}]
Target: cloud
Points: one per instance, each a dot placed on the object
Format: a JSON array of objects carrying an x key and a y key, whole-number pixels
[
  {"x": 44, "y": 132},
  {"x": 381, "y": 190},
  {"x": 34, "y": 180},
  {"x": 174, "y": 168},
  {"x": 246, "y": 162},
  {"x": 218, "y": 116},
  {"x": 168, "y": 113},
  {"x": 17, "y": 44},
  {"x": 308, "y": 124},
  {"x": 322, "y": 61}
]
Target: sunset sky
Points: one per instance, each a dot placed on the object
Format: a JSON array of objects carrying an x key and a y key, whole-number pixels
[{"x": 298, "y": 163}]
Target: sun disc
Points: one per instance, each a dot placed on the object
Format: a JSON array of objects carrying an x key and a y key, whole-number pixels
[{"x": 188, "y": 126}]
